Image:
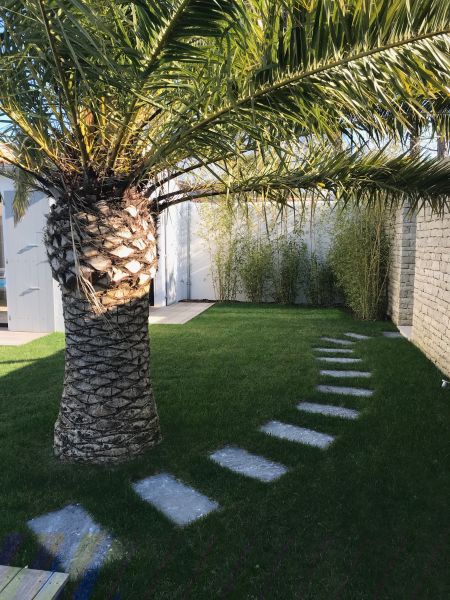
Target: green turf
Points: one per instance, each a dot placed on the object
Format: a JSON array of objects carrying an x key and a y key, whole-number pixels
[{"x": 368, "y": 518}]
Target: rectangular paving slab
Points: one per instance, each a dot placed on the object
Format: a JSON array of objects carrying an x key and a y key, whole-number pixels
[
  {"x": 177, "y": 501},
  {"x": 74, "y": 539},
  {"x": 392, "y": 334},
  {"x": 328, "y": 410},
  {"x": 339, "y": 360},
  {"x": 344, "y": 374},
  {"x": 251, "y": 465},
  {"x": 357, "y": 336},
  {"x": 347, "y": 391},
  {"x": 335, "y": 350},
  {"x": 286, "y": 431},
  {"x": 337, "y": 341}
]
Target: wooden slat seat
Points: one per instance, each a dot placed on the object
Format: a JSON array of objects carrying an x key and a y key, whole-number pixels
[{"x": 30, "y": 584}]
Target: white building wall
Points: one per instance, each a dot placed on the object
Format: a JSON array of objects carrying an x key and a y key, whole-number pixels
[
  {"x": 171, "y": 282},
  {"x": 33, "y": 298},
  {"x": 200, "y": 260},
  {"x": 316, "y": 233}
]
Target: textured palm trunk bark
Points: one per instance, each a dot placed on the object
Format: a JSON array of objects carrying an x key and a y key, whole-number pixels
[
  {"x": 107, "y": 411},
  {"x": 103, "y": 254}
]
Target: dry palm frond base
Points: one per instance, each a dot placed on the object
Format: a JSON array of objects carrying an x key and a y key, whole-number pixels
[{"x": 105, "y": 249}]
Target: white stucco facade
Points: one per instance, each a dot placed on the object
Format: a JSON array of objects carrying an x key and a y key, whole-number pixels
[
  {"x": 34, "y": 298},
  {"x": 171, "y": 282}
]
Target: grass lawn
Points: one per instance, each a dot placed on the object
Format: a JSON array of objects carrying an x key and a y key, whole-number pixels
[{"x": 367, "y": 518}]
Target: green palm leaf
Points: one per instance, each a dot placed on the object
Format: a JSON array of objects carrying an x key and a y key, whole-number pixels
[
  {"x": 338, "y": 176},
  {"x": 132, "y": 90}
]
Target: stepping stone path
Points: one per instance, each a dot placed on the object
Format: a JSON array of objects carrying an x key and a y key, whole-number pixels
[
  {"x": 328, "y": 410},
  {"x": 336, "y": 341},
  {"x": 80, "y": 545},
  {"x": 285, "y": 431},
  {"x": 74, "y": 539},
  {"x": 251, "y": 465},
  {"x": 339, "y": 360},
  {"x": 328, "y": 373},
  {"x": 178, "y": 502},
  {"x": 346, "y": 391},
  {"x": 392, "y": 334},
  {"x": 335, "y": 350},
  {"x": 357, "y": 336}
]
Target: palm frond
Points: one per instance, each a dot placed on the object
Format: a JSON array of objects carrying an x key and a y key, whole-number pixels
[
  {"x": 24, "y": 184},
  {"x": 133, "y": 92},
  {"x": 343, "y": 176}
]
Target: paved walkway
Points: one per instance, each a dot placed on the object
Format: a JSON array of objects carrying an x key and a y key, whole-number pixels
[
  {"x": 178, "y": 313},
  {"x": 406, "y": 331},
  {"x": 175, "y": 314},
  {"x": 17, "y": 338}
]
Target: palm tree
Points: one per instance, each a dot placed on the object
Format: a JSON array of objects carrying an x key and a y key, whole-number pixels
[{"x": 105, "y": 105}]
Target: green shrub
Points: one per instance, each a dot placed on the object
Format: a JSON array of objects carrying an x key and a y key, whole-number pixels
[
  {"x": 218, "y": 231},
  {"x": 224, "y": 272},
  {"x": 320, "y": 288},
  {"x": 255, "y": 267},
  {"x": 359, "y": 258},
  {"x": 289, "y": 268}
]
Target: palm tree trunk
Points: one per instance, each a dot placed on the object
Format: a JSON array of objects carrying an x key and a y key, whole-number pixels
[
  {"x": 107, "y": 411},
  {"x": 103, "y": 254}
]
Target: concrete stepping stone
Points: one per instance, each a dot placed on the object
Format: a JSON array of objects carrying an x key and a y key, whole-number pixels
[
  {"x": 335, "y": 350},
  {"x": 392, "y": 334},
  {"x": 251, "y": 465},
  {"x": 344, "y": 374},
  {"x": 347, "y": 391},
  {"x": 75, "y": 540},
  {"x": 337, "y": 341},
  {"x": 357, "y": 336},
  {"x": 286, "y": 431},
  {"x": 328, "y": 410},
  {"x": 178, "y": 502},
  {"x": 339, "y": 360}
]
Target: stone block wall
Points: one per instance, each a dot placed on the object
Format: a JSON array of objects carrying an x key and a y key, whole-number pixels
[
  {"x": 431, "y": 315},
  {"x": 402, "y": 267}
]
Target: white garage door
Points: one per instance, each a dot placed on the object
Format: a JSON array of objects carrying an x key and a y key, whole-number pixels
[{"x": 29, "y": 283}]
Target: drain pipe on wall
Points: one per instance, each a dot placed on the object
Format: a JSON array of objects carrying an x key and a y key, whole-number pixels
[
  {"x": 165, "y": 255},
  {"x": 188, "y": 251}
]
